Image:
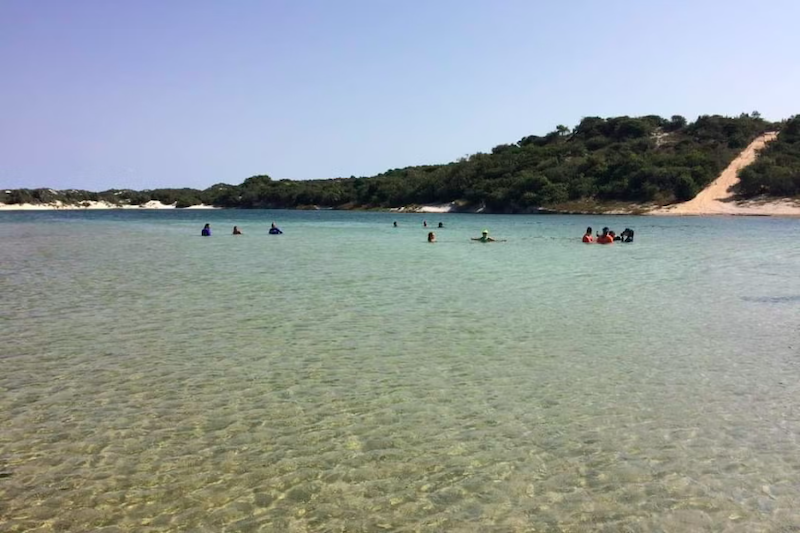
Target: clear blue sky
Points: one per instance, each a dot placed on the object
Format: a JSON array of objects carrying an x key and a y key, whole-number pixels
[{"x": 100, "y": 94}]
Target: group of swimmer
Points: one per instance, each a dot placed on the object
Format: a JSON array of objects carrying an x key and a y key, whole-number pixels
[
  {"x": 206, "y": 231},
  {"x": 608, "y": 236},
  {"x": 424, "y": 224},
  {"x": 483, "y": 238}
]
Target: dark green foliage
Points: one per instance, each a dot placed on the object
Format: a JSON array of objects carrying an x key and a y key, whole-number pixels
[
  {"x": 628, "y": 159},
  {"x": 676, "y": 123},
  {"x": 685, "y": 188},
  {"x": 777, "y": 170}
]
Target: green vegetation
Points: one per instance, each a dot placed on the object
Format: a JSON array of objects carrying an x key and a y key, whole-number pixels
[
  {"x": 776, "y": 172},
  {"x": 601, "y": 161}
]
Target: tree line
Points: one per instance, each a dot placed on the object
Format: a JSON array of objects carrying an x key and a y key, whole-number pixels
[{"x": 646, "y": 159}]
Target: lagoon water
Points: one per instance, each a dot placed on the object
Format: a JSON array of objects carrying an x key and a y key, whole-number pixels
[{"x": 349, "y": 376}]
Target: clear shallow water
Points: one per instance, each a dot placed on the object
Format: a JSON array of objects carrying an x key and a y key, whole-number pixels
[{"x": 349, "y": 376}]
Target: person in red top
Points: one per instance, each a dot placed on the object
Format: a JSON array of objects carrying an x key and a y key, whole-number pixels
[
  {"x": 605, "y": 238},
  {"x": 587, "y": 237}
]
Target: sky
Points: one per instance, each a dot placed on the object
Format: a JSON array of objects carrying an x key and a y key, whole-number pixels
[{"x": 100, "y": 94}]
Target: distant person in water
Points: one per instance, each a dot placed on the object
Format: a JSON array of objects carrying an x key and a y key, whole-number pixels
[
  {"x": 395, "y": 223},
  {"x": 424, "y": 223},
  {"x": 431, "y": 236},
  {"x": 614, "y": 236},
  {"x": 627, "y": 235},
  {"x": 587, "y": 237},
  {"x": 236, "y": 230},
  {"x": 605, "y": 237},
  {"x": 484, "y": 237},
  {"x": 206, "y": 232},
  {"x": 274, "y": 230},
  {"x": 441, "y": 225}
]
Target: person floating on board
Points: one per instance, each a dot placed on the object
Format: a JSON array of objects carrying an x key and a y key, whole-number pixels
[
  {"x": 206, "y": 231},
  {"x": 431, "y": 237},
  {"x": 236, "y": 230},
  {"x": 274, "y": 230},
  {"x": 587, "y": 237},
  {"x": 484, "y": 237}
]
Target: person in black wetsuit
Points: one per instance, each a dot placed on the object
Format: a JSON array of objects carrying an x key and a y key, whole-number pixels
[
  {"x": 274, "y": 230},
  {"x": 627, "y": 235}
]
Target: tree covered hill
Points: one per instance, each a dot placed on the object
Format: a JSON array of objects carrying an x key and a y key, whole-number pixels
[{"x": 621, "y": 159}]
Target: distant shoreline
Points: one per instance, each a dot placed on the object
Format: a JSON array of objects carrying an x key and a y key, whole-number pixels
[
  {"x": 93, "y": 206},
  {"x": 752, "y": 208}
]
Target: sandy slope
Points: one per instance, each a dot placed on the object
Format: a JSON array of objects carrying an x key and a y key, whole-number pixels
[{"x": 717, "y": 198}]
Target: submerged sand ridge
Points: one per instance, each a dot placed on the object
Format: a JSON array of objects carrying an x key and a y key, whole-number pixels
[{"x": 719, "y": 199}]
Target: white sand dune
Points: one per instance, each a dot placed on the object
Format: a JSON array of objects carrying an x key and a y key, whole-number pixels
[
  {"x": 153, "y": 204},
  {"x": 439, "y": 208},
  {"x": 430, "y": 208},
  {"x": 58, "y": 205},
  {"x": 718, "y": 197}
]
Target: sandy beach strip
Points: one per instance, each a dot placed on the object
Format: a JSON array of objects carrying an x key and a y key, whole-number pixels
[{"x": 93, "y": 205}]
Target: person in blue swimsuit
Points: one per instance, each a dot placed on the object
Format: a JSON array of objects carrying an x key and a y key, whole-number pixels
[
  {"x": 274, "y": 230},
  {"x": 206, "y": 232}
]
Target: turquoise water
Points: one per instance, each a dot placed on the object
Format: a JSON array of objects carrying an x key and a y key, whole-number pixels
[{"x": 349, "y": 376}]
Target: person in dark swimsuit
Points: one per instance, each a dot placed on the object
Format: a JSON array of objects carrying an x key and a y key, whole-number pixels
[{"x": 627, "y": 235}]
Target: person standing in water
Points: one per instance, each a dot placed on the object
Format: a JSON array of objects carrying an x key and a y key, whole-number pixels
[
  {"x": 587, "y": 237},
  {"x": 627, "y": 235},
  {"x": 206, "y": 231},
  {"x": 431, "y": 236},
  {"x": 484, "y": 237},
  {"x": 424, "y": 223},
  {"x": 395, "y": 223},
  {"x": 605, "y": 238},
  {"x": 441, "y": 225},
  {"x": 236, "y": 230}
]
